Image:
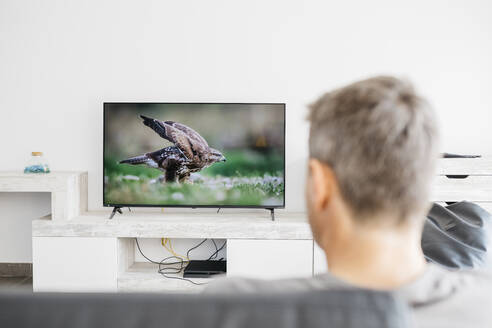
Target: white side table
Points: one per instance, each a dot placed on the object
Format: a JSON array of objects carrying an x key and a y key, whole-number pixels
[{"x": 68, "y": 190}]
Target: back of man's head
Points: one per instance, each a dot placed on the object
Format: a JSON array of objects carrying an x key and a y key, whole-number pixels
[{"x": 381, "y": 141}]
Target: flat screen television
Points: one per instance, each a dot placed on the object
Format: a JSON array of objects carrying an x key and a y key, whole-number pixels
[{"x": 194, "y": 155}]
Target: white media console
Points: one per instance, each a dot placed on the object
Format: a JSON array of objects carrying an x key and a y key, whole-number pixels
[
  {"x": 92, "y": 253},
  {"x": 76, "y": 250}
]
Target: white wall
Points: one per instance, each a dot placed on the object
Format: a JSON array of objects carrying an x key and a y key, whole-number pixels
[{"x": 59, "y": 60}]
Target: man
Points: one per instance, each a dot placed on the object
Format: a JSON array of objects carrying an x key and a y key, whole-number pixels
[{"x": 373, "y": 148}]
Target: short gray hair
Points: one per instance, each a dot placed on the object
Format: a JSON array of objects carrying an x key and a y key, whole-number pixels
[{"x": 381, "y": 140}]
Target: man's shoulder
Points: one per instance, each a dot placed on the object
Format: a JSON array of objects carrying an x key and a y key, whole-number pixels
[
  {"x": 435, "y": 284},
  {"x": 439, "y": 297},
  {"x": 436, "y": 287}
]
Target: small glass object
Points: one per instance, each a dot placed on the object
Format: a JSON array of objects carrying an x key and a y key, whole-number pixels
[{"x": 37, "y": 163}]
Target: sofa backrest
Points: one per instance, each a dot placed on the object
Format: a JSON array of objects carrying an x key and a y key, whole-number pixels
[{"x": 328, "y": 309}]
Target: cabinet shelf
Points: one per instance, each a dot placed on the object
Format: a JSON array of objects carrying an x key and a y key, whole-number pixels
[{"x": 143, "y": 277}]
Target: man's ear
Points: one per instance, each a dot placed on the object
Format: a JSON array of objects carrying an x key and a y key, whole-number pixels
[{"x": 323, "y": 183}]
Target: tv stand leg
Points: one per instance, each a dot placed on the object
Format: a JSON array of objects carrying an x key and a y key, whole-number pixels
[
  {"x": 272, "y": 213},
  {"x": 115, "y": 209}
]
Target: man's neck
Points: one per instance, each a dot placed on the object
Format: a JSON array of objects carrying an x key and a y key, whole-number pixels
[{"x": 377, "y": 258}]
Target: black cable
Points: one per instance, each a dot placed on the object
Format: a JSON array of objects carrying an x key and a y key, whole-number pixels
[
  {"x": 198, "y": 245},
  {"x": 214, "y": 255},
  {"x": 177, "y": 271},
  {"x": 215, "y": 245},
  {"x": 164, "y": 271},
  {"x": 138, "y": 246}
]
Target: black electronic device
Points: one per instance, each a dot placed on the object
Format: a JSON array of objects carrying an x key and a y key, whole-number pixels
[{"x": 204, "y": 269}]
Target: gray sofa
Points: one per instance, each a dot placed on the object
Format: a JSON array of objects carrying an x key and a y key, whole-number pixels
[{"x": 328, "y": 309}]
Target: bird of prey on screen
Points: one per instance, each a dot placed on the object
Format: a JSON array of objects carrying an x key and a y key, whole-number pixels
[{"x": 190, "y": 153}]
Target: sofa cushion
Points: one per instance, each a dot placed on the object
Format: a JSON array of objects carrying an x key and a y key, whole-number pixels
[
  {"x": 339, "y": 308},
  {"x": 458, "y": 236}
]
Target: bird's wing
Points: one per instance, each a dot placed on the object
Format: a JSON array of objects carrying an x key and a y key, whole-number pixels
[
  {"x": 171, "y": 133},
  {"x": 192, "y": 134}
]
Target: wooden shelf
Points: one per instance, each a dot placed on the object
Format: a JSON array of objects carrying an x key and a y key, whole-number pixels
[{"x": 243, "y": 225}]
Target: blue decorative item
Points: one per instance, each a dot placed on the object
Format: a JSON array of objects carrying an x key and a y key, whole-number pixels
[{"x": 37, "y": 164}]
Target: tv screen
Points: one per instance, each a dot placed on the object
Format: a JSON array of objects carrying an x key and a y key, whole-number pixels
[{"x": 194, "y": 155}]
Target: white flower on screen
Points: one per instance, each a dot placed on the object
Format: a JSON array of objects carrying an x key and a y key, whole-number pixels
[
  {"x": 130, "y": 177},
  {"x": 177, "y": 196}
]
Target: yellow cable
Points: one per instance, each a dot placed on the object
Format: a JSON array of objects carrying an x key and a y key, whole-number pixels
[
  {"x": 170, "y": 249},
  {"x": 164, "y": 243},
  {"x": 174, "y": 253}
]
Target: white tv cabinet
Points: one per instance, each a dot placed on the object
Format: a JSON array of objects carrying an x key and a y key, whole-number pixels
[{"x": 92, "y": 253}]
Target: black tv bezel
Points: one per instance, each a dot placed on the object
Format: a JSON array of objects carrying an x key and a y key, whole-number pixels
[{"x": 192, "y": 206}]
